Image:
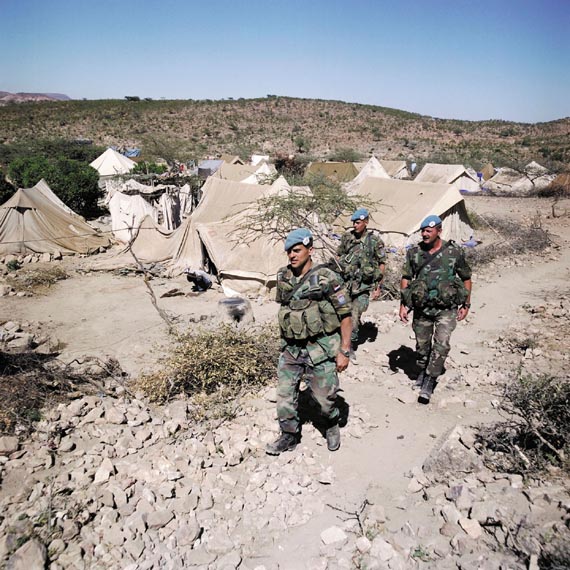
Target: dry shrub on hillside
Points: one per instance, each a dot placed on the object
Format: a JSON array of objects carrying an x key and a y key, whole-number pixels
[
  {"x": 536, "y": 433},
  {"x": 214, "y": 366},
  {"x": 514, "y": 239}
]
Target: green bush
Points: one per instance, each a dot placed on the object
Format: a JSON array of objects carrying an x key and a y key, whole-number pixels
[
  {"x": 6, "y": 189},
  {"x": 74, "y": 182},
  {"x": 149, "y": 168},
  {"x": 345, "y": 154}
]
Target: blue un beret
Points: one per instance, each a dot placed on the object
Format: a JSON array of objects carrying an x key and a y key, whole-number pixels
[
  {"x": 431, "y": 222},
  {"x": 360, "y": 214},
  {"x": 300, "y": 235}
]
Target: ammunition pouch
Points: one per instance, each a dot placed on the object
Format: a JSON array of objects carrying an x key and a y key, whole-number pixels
[
  {"x": 451, "y": 293},
  {"x": 303, "y": 319},
  {"x": 418, "y": 295}
]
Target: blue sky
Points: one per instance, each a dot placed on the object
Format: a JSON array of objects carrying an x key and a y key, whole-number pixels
[{"x": 463, "y": 59}]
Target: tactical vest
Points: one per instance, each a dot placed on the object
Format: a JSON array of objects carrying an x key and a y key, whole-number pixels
[
  {"x": 435, "y": 284},
  {"x": 305, "y": 313},
  {"x": 359, "y": 267}
]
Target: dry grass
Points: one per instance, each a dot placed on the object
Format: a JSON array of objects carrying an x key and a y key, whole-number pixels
[
  {"x": 29, "y": 382},
  {"x": 36, "y": 279},
  {"x": 216, "y": 367}
]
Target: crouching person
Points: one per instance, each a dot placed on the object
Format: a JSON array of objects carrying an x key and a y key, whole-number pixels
[
  {"x": 315, "y": 324},
  {"x": 436, "y": 284}
]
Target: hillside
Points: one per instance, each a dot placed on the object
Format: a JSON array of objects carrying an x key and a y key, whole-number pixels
[{"x": 187, "y": 129}]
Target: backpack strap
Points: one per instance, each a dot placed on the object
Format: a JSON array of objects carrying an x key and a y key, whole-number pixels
[
  {"x": 303, "y": 280},
  {"x": 430, "y": 258}
]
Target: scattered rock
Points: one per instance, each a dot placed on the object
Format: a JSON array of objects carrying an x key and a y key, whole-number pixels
[
  {"x": 333, "y": 535},
  {"x": 30, "y": 556}
]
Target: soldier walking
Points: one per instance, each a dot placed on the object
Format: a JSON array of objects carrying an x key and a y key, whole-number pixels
[
  {"x": 436, "y": 285},
  {"x": 362, "y": 260},
  {"x": 315, "y": 325}
]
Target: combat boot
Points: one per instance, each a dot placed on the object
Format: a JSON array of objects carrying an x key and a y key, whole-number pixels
[
  {"x": 419, "y": 380},
  {"x": 285, "y": 442},
  {"x": 427, "y": 389},
  {"x": 333, "y": 437}
]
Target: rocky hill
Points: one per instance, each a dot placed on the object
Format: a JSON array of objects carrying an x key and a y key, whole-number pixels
[
  {"x": 192, "y": 129},
  {"x": 7, "y": 98}
]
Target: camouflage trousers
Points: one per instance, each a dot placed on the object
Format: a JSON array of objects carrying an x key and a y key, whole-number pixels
[
  {"x": 433, "y": 335},
  {"x": 321, "y": 379},
  {"x": 359, "y": 305}
]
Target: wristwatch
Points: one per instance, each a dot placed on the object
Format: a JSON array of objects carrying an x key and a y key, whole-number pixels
[
  {"x": 345, "y": 352},
  {"x": 467, "y": 305}
]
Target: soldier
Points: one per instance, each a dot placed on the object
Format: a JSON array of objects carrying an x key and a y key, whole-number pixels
[
  {"x": 315, "y": 324},
  {"x": 362, "y": 260},
  {"x": 436, "y": 284}
]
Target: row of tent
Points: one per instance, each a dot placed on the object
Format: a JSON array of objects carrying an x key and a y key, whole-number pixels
[
  {"x": 246, "y": 263},
  {"x": 35, "y": 220}
]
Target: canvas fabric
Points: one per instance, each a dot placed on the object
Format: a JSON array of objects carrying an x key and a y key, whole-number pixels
[
  {"x": 31, "y": 222},
  {"x": 401, "y": 205}
]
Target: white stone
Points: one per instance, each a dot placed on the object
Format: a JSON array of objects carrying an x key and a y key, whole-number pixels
[
  {"x": 333, "y": 535},
  {"x": 8, "y": 444},
  {"x": 381, "y": 549},
  {"x": 471, "y": 527},
  {"x": 363, "y": 545},
  {"x": 30, "y": 556}
]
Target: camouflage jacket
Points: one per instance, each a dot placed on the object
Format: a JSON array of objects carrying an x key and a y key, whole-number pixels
[
  {"x": 334, "y": 300},
  {"x": 449, "y": 266},
  {"x": 360, "y": 259}
]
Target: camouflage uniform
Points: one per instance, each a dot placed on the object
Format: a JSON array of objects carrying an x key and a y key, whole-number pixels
[
  {"x": 436, "y": 301},
  {"x": 312, "y": 358},
  {"x": 360, "y": 258}
]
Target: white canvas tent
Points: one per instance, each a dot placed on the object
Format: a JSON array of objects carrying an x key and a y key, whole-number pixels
[
  {"x": 43, "y": 187},
  {"x": 127, "y": 212},
  {"x": 396, "y": 168},
  {"x": 403, "y": 204},
  {"x": 454, "y": 174},
  {"x": 245, "y": 173},
  {"x": 371, "y": 168},
  {"x": 111, "y": 163},
  {"x": 245, "y": 267},
  {"x": 508, "y": 181},
  {"x": 32, "y": 222}
]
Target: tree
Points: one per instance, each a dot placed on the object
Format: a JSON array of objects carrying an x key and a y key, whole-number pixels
[
  {"x": 74, "y": 182},
  {"x": 302, "y": 143},
  {"x": 345, "y": 154},
  {"x": 6, "y": 189},
  {"x": 276, "y": 215}
]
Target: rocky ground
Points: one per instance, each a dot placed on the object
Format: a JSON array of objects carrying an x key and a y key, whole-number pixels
[{"x": 109, "y": 481}]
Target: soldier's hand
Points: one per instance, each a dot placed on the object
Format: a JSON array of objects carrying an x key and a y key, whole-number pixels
[
  {"x": 375, "y": 293},
  {"x": 462, "y": 313},
  {"x": 404, "y": 314},
  {"x": 341, "y": 362}
]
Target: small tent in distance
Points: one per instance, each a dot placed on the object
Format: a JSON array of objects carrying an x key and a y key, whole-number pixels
[
  {"x": 112, "y": 163},
  {"x": 454, "y": 174}
]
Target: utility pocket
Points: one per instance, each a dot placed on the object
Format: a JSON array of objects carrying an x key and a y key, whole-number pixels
[{"x": 313, "y": 321}]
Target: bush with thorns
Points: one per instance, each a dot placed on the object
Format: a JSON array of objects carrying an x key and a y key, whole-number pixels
[
  {"x": 515, "y": 239},
  {"x": 536, "y": 433},
  {"x": 214, "y": 366}
]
